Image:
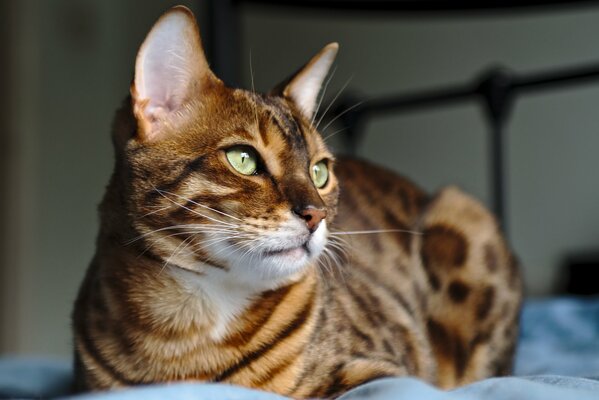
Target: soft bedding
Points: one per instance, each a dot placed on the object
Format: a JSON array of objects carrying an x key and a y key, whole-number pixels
[
  {"x": 557, "y": 358},
  {"x": 559, "y": 337}
]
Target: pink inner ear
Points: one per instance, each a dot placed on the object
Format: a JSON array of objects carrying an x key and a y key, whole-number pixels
[
  {"x": 305, "y": 86},
  {"x": 169, "y": 61}
]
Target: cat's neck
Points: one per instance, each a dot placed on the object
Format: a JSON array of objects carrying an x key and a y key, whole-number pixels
[
  {"x": 175, "y": 299},
  {"x": 223, "y": 297},
  {"x": 178, "y": 292}
]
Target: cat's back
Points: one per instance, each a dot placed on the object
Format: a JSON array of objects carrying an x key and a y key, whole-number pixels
[
  {"x": 376, "y": 287},
  {"x": 374, "y": 198},
  {"x": 377, "y": 229},
  {"x": 433, "y": 274}
]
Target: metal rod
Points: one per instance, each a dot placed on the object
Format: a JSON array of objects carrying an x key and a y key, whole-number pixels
[
  {"x": 425, "y": 6},
  {"x": 520, "y": 83},
  {"x": 497, "y": 88},
  {"x": 497, "y": 94},
  {"x": 549, "y": 79},
  {"x": 419, "y": 99},
  {"x": 498, "y": 173}
]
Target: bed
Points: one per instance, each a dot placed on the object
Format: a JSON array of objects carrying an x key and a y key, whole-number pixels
[{"x": 557, "y": 358}]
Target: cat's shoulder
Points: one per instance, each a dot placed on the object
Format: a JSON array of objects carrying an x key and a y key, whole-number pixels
[
  {"x": 365, "y": 176},
  {"x": 355, "y": 167}
]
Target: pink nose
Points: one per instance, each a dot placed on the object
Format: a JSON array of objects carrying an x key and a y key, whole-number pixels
[{"x": 312, "y": 216}]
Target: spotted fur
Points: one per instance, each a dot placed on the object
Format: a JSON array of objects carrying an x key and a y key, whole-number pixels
[{"x": 204, "y": 274}]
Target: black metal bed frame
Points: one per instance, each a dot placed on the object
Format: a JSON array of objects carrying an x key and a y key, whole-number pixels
[{"x": 495, "y": 89}]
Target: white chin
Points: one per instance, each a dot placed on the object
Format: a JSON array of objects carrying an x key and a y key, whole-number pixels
[
  {"x": 291, "y": 255},
  {"x": 284, "y": 263},
  {"x": 273, "y": 267},
  {"x": 287, "y": 263}
]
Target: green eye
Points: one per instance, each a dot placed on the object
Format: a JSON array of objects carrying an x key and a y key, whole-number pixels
[
  {"x": 244, "y": 159},
  {"x": 320, "y": 174}
]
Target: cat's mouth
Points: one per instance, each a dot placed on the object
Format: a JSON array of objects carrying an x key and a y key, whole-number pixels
[{"x": 292, "y": 252}]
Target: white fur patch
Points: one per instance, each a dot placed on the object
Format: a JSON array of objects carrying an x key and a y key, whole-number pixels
[{"x": 222, "y": 295}]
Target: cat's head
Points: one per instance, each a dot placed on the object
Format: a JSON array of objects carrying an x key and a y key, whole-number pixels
[{"x": 221, "y": 179}]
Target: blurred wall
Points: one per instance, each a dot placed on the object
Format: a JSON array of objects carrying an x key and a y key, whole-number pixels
[
  {"x": 72, "y": 63},
  {"x": 5, "y": 148}
]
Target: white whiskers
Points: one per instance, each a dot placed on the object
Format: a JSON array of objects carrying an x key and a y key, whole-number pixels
[
  {"x": 254, "y": 91},
  {"x": 367, "y": 232},
  {"x": 324, "y": 90},
  {"x": 162, "y": 192},
  {"x": 223, "y": 237},
  {"x": 348, "y": 109},
  {"x": 333, "y": 259},
  {"x": 333, "y": 101}
]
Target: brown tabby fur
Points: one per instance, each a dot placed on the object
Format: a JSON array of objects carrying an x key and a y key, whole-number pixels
[{"x": 441, "y": 305}]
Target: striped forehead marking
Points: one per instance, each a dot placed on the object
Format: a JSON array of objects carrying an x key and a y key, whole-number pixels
[{"x": 290, "y": 128}]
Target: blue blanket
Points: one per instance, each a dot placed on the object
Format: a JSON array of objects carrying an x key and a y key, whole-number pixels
[
  {"x": 557, "y": 358},
  {"x": 559, "y": 337}
]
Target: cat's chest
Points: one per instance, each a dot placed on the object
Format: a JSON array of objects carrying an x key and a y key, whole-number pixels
[{"x": 209, "y": 303}]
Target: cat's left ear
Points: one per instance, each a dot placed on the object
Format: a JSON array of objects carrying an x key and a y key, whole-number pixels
[
  {"x": 170, "y": 70},
  {"x": 303, "y": 86}
]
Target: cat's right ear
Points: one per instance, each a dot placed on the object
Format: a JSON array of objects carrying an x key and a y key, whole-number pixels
[
  {"x": 303, "y": 87},
  {"x": 170, "y": 69}
]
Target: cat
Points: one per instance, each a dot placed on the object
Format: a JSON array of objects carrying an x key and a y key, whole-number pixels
[{"x": 234, "y": 247}]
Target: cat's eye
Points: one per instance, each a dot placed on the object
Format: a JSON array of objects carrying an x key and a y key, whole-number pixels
[
  {"x": 244, "y": 159},
  {"x": 320, "y": 174}
]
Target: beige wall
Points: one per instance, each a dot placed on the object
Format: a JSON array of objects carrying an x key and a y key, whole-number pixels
[
  {"x": 74, "y": 59},
  {"x": 73, "y": 62}
]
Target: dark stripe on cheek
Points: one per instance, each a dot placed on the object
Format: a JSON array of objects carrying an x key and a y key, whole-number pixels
[
  {"x": 192, "y": 166},
  {"x": 195, "y": 165},
  {"x": 196, "y": 207}
]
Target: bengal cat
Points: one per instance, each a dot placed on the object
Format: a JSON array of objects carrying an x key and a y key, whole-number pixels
[{"x": 235, "y": 248}]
